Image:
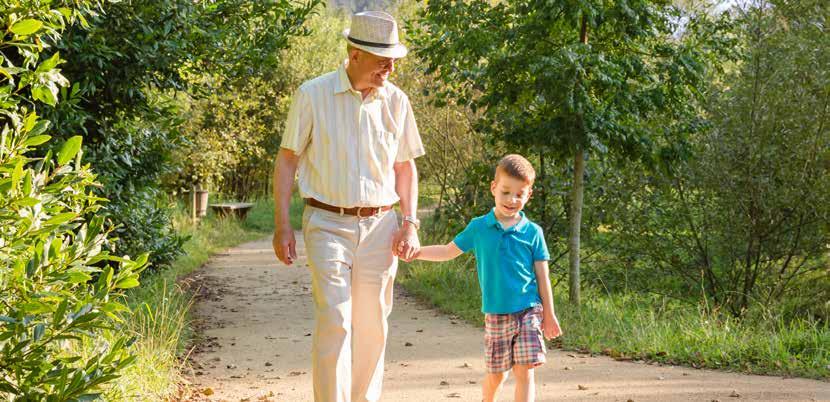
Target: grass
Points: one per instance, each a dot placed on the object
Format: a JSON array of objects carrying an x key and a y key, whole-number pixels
[
  {"x": 636, "y": 326},
  {"x": 160, "y": 307}
]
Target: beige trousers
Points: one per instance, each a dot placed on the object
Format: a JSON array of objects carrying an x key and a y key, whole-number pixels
[{"x": 352, "y": 270}]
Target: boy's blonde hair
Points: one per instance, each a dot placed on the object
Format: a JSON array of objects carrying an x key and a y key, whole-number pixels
[{"x": 517, "y": 167}]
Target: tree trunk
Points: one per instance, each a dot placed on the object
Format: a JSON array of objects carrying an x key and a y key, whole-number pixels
[
  {"x": 576, "y": 222},
  {"x": 576, "y": 204}
]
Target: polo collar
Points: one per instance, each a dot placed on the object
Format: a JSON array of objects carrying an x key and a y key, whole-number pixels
[
  {"x": 491, "y": 220},
  {"x": 344, "y": 85}
]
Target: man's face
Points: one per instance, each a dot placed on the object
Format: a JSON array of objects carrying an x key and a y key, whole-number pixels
[
  {"x": 511, "y": 195},
  {"x": 371, "y": 70}
]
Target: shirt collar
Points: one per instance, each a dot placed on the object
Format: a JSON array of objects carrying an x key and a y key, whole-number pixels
[
  {"x": 491, "y": 220},
  {"x": 344, "y": 85}
]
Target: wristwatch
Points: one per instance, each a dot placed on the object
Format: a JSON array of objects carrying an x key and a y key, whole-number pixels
[{"x": 413, "y": 220}]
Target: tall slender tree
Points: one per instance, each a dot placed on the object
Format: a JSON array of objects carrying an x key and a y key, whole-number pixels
[{"x": 542, "y": 86}]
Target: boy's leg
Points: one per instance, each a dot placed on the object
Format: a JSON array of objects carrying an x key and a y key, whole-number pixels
[
  {"x": 492, "y": 384},
  {"x": 499, "y": 332},
  {"x": 525, "y": 383}
]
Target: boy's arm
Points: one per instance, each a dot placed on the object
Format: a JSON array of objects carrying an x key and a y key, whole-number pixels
[
  {"x": 438, "y": 252},
  {"x": 550, "y": 325}
]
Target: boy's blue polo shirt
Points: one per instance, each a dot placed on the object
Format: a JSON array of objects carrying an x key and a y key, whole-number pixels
[{"x": 504, "y": 259}]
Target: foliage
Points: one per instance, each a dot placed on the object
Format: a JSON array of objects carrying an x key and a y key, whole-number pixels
[
  {"x": 543, "y": 88},
  {"x": 57, "y": 286},
  {"x": 648, "y": 327},
  {"x": 234, "y": 133},
  {"x": 130, "y": 67},
  {"x": 745, "y": 222}
]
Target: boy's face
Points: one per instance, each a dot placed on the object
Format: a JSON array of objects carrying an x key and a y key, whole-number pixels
[{"x": 511, "y": 194}]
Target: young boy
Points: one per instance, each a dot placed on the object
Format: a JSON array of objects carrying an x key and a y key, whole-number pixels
[{"x": 512, "y": 262}]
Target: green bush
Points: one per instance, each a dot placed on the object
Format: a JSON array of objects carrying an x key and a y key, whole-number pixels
[
  {"x": 58, "y": 289},
  {"x": 56, "y": 285}
]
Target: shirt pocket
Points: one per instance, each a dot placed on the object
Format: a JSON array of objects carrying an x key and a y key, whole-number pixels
[{"x": 386, "y": 147}]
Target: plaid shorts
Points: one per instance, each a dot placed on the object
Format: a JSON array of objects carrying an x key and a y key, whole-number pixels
[{"x": 514, "y": 338}]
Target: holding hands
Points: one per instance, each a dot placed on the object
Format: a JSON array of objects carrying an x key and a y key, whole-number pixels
[{"x": 405, "y": 243}]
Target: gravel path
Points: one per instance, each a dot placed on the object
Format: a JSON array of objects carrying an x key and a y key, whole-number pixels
[{"x": 254, "y": 320}]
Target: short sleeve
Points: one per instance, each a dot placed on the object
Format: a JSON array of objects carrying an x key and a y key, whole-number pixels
[
  {"x": 540, "y": 247},
  {"x": 298, "y": 124},
  {"x": 466, "y": 239},
  {"x": 410, "y": 145}
]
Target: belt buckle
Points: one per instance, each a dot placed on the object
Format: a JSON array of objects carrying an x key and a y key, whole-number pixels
[{"x": 359, "y": 209}]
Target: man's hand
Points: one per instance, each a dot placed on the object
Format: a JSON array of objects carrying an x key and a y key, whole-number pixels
[
  {"x": 550, "y": 326},
  {"x": 285, "y": 245},
  {"x": 405, "y": 243}
]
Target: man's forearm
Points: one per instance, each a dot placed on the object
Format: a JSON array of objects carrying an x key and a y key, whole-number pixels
[
  {"x": 285, "y": 168},
  {"x": 406, "y": 185}
]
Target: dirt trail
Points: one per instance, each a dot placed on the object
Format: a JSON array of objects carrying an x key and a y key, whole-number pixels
[{"x": 254, "y": 317}]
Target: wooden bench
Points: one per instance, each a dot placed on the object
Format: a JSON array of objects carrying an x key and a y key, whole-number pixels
[{"x": 239, "y": 209}]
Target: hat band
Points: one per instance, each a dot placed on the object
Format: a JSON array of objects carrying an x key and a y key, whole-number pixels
[{"x": 372, "y": 44}]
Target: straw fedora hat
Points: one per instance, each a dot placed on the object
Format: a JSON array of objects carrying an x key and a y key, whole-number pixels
[{"x": 375, "y": 32}]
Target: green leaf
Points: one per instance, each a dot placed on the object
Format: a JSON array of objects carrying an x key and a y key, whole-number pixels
[
  {"x": 35, "y": 307},
  {"x": 27, "y": 202},
  {"x": 60, "y": 313},
  {"x": 17, "y": 173},
  {"x": 36, "y": 140},
  {"x": 78, "y": 277},
  {"x": 69, "y": 149},
  {"x": 112, "y": 307},
  {"x": 39, "y": 330},
  {"x": 128, "y": 282},
  {"x": 49, "y": 63},
  {"x": 29, "y": 121},
  {"x": 61, "y": 218},
  {"x": 26, "y": 27},
  {"x": 5, "y": 318}
]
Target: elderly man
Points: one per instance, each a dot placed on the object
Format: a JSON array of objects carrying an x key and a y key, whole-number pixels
[{"x": 353, "y": 137}]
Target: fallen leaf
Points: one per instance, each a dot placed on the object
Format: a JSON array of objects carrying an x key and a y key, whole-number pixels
[
  {"x": 581, "y": 387},
  {"x": 630, "y": 400},
  {"x": 408, "y": 344},
  {"x": 296, "y": 373},
  {"x": 566, "y": 368},
  {"x": 231, "y": 366},
  {"x": 735, "y": 394},
  {"x": 268, "y": 364},
  {"x": 207, "y": 391},
  {"x": 454, "y": 395},
  {"x": 419, "y": 330},
  {"x": 473, "y": 382},
  {"x": 465, "y": 365},
  {"x": 444, "y": 382}
]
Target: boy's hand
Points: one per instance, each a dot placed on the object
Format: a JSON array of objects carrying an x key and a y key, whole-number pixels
[{"x": 550, "y": 326}]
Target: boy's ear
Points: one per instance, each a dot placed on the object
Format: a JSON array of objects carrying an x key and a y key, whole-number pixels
[{"x": 493, "y": 187}]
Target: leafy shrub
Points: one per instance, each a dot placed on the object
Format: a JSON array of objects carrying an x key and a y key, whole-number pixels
[{"x": 57, "y": 286}]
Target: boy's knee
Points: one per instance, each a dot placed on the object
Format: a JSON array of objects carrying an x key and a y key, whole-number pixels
[
  {"x": 523, "y": 372},
  {"x": 497, "y": 378}
]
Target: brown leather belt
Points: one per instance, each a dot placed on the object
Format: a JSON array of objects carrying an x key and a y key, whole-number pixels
[{"x": 361, "y": 212}]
